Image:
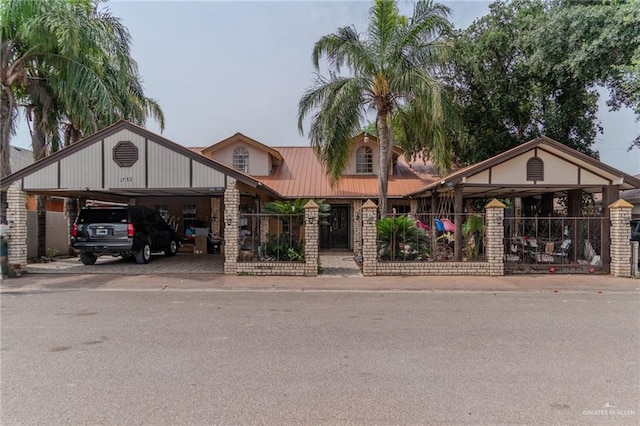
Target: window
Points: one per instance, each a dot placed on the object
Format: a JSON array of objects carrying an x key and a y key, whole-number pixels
[
  {"x": 364, "y": 160},
  {"x": 241, "y": 159},
  {"x": 535, "y": 169}
]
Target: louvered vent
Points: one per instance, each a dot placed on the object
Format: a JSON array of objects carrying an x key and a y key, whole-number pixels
[
  {"x": 535, "y": 169},
  {"x": 125, "y": 154}
]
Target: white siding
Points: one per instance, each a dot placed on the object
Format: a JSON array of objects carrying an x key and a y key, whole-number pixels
[
  {"x": 588, "y": 178},
  {"x": 482, "y": 177},
  {"x": 205, "y": 177},
  {"x": 167, "y": 168},
  {"x": 558, "y": 170},
  {"x": 82, "y": 169},
  {"x": 42, "y": 179},
  {"x": 123, "y": 177},
  {"x": 513, "y": 171}
]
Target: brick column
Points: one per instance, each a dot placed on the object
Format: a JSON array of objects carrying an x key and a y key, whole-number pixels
[
  {"x": 231, "y": 221},
  {"x": 494, "y": 235},
  {"x": 369, "y": 239},
  {"x": 356, "y": 224},
  {"x": 17, "y": 221},
  {"x": 620, "y": 213},
  {"x": 311, "y": 233},
  {"x": 215, "y": 216}
]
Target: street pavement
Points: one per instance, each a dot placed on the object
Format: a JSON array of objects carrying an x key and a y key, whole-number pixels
[{"x": 169, "y": 350}]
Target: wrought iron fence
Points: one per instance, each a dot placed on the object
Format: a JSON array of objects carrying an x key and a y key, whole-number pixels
[
  {"x": 550, "y": 244},
  {"x": 431, "y": 237},
  {"x": 267, "y": 237}
]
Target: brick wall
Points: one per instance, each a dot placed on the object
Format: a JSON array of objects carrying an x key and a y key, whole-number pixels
[
  {"x": 231, "y": 218},
  {"x": 231, "y": 265},
  {"x": 356, "y": 225},
  {"x": 495, "y": 250},
  {"x": 215, "y": 217},
  {"x": 17, "y": 221},
  {"x": 620, "y": 213}
]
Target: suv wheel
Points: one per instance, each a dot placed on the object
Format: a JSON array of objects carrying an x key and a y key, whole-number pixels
[
  {"x": 88, "y": 258},
  {"x": 144, "y": 254},
  {"x": 172, "y": 249}
]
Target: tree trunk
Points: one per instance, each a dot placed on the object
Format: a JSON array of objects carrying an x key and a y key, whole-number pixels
[
  {"x": 5, "y": 131},
  {"x": 38, "y": 142},
  {"x": 383, "y": 172},
  {"x": 71, "y": 204}
]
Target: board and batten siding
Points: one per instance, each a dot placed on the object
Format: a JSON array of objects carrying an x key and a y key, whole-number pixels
[
  {"x": 42, "y": 179},
  {"x": 82, "y": 169},
  {"x": 124, "y": 177},
  {"x": 167, "y": 168},
  {"x": 206, "y": 177}
]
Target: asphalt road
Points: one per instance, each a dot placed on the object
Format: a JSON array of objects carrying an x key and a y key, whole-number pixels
[{"x": 83, "y": 356}]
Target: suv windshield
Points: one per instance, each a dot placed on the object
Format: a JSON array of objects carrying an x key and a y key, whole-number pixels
[{"x": 103, "y": 216}]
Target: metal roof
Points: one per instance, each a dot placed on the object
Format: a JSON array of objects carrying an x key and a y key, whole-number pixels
[{"x": 301, "y": 176}]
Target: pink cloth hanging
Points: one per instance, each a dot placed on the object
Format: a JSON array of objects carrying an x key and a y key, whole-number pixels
[{"x": 448, "y": 225}]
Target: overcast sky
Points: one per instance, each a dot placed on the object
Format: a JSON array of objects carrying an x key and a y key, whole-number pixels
[{"x": 218, "y": 68}]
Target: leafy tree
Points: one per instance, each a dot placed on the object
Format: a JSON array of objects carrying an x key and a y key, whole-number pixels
[
  {"x": 532, "y": 67},
  {"x": 394, "y": 67}
]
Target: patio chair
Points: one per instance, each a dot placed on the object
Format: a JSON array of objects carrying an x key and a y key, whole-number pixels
[{"x": 563, "y": 253}]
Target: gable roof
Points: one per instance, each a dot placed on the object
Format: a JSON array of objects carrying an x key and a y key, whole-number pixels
[
  {"x": 546, "y": 145},
  {"x": 301, "y": 176},
  {"x": 125, "y": 125},
  {"x": 239, "y": 137}
]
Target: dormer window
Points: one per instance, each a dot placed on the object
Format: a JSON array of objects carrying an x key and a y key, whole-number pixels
[
  {"x": 364, "y": 160},
  {"x": 241, "y": 159}
]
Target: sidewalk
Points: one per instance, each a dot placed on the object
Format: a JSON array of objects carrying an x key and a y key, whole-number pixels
[{"x": 217, "y": 282}]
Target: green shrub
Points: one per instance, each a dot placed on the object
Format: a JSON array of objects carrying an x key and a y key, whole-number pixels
[{"x": 400, "y": 239}]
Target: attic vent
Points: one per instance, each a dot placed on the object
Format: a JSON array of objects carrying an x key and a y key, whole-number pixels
[
  {"x": 535, "y": 169},
  {"x": 125, "y": 154}
]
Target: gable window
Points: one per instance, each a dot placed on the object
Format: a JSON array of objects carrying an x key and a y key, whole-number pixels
[
  {"x": 364, "y": 160},
  {"x": 241, "y": 159},
  {"x": 535, "y": 169}
]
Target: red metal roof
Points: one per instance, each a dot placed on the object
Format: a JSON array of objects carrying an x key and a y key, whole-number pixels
[{"x": 301, "y": 176}]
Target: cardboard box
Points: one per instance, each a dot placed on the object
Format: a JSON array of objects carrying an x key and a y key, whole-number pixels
[{"x": 200, "y": 246}]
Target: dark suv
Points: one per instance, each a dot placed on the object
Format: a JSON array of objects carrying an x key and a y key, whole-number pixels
[{"x": 122, "y": 231}]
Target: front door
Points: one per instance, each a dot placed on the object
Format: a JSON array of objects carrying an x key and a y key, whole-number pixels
[{"x": 335, "y": 234}]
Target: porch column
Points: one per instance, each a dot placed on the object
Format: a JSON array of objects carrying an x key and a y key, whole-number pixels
[
  {"x": 413, "y": 208},
  {"x": 495, "y": 237},
  {"x": 620, "y": 236},
  {"x": 458, "y": 214},
  {"x": 369, "y": 239},
  {"x": 357, "y": 225},
  {"x": 17, "y": 233},
  {"x": 575, "y": 210},
  {"x": 231, "y": 219},
  {"x": 311, "y": 233},
  {"x": 215, "y": 216},
  {"x": 546, "y": 204}
]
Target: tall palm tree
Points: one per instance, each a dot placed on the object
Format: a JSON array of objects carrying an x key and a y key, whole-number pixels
[
  {"x": 69, "y": 64},
  {"x": 392, "y": 68}
]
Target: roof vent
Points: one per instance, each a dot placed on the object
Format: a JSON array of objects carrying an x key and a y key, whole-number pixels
[
  {"x": 125, "y": 154},
  {"x": 535, "y": 169}
]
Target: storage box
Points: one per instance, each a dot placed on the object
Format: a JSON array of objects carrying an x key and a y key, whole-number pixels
[{"x": 200, "y": 246}]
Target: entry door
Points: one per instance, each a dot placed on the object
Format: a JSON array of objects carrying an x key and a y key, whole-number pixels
[{"x": 336, "y": 233}]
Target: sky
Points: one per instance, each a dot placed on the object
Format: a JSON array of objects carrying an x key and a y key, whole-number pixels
[{"x": 218, "y": 68}]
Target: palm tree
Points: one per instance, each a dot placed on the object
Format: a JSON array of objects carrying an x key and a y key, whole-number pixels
[
  {"x": 392, "y": 69},
  {"x": 69, "y": 65}
]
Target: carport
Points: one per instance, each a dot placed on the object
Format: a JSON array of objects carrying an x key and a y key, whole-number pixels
[
  {"x": 125, "y": 163},
  {"x": 535, "y": 177}
]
